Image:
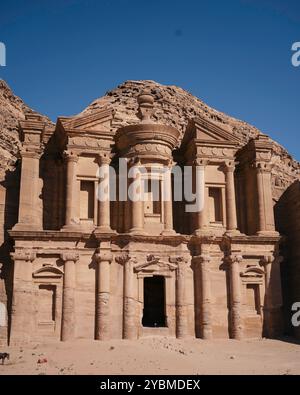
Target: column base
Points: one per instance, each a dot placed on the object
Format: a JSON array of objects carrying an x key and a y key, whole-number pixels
[
  {"x": 105, "y": 230},
  {"x": 232, "y": 232},
  {"x": 138, "y": 232},
  {"x": 203, "y": 232},
  {"x": 168, "y": 232},
  {"x": 27, "y": 227},
  {"x": 270, "y": 233}
]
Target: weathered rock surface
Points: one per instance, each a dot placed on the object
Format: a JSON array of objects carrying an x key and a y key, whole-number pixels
[{"x": 12, "y": 110}]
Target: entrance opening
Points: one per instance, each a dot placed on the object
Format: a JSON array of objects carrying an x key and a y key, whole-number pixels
[{"x": 154, "y": 302}]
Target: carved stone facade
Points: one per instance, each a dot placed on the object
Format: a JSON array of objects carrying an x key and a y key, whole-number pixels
[{"x": 101, "y": 269}]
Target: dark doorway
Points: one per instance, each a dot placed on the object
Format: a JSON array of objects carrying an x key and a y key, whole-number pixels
[{"x": 154, "y": 302}]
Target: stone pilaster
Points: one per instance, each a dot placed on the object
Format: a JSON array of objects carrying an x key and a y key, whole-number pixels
[
  {"x": 72, "y": 192},
  {"x": 104, "y": 195},
  {"x": 22, "y": 301},
  {"x": 103, "y": 259},
  {"x": 203, "y": 292},
  {"x": 181, "y": 307},
  {"x": 236, "y": 322},
  {"x": 129, "y": 303},
  {"x": 231, "y": 218},
  {"x": 68, "y": 302}
]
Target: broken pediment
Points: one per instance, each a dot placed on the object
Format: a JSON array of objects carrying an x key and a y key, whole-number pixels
[
  {"x": 99, "y": 121},
  {"x": 205, "y": 130}
]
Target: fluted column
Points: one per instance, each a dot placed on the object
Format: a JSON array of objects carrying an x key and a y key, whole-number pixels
[
  {"x": 168, "y": 202},
  {"x": 30, "y": 217},
  {"x": 68, "y": 302},
  {"x": 129, "y": 303},
  {"x": 236, "y": 325},
  {"x": 137, "y": 204},
  {"x": 103, "y": 259},
  {"x": 104, "y": 195},
  {"x": 181, "y": 307},
  {"x": 231, "y": 218},
  {"x": 201, "y": 214},
  {"x": 204, "y": 295},
  {"x": 266, "y": 223},
  {"x": 72, "y": 193},
  {"x": 22, "y": 300}
]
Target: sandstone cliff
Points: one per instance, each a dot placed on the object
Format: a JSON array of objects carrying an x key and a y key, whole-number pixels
[{"x": 12, "y": 110}]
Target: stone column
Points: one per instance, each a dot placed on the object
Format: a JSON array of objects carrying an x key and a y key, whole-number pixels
[
  {"x": 103, "y": 259},
  {"x": 272, "y": 313},
  {"x": 129, "y": 303},
  {"x": 30, "y": 189},
  {"x": 266, "y": 223},
  {"x": 201, "y": 214},
  {"x": 236, "y": 326},
  {"x": 230, "y": 198},
  {"x": 68, "y": 302},
  {"x": 137, "y": 204},
  {"x": 104, "y": 195},
  {"x": 181, "y": 308},
  {"x": 167, "y": 202},
  {"x": 72, "y": 192},
  {"x": 22, "y": 301},
  {"x": 204, "y": 292}
]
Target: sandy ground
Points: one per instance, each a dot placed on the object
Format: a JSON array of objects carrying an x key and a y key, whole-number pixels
[{"x": 156, "y": 355}]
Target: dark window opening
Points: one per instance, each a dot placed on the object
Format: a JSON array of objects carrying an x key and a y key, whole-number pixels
[{"x": 154, "y": 302}]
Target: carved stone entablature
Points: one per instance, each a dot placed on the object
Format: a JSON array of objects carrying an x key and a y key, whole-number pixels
[
  {"x": 32, "y": 130},
  {"x": 154, "y": 266},
  {"x": 23, "y": 255}
]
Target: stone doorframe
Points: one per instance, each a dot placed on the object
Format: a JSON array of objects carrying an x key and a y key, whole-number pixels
[{"x": 174, "y": 274}]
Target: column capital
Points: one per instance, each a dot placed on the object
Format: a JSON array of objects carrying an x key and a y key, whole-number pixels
[
  {"x": 71, "y": 156},
  {"x": 23, "y": 255},
  {"x": 263, "y": 167},
  {"x": 201, "y": 162},
  {"x": 104, "y": 158},
  {"x": 70, "y": 256},
  {"x": 126, "y": 259},
  {"x": 33, "y": 153},
  {"x": 234, "y": 258},
  {"x": 103, "y": 256},
  {"x": 228, "y": 166}
]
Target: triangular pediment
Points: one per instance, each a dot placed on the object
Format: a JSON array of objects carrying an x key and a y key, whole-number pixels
[
  {"x": 205, "y": 130},
  {"x": 99, "y": 121}
]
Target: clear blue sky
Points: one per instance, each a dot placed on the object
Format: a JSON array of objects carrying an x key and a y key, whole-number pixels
[{"x": 235, "y": 55}]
